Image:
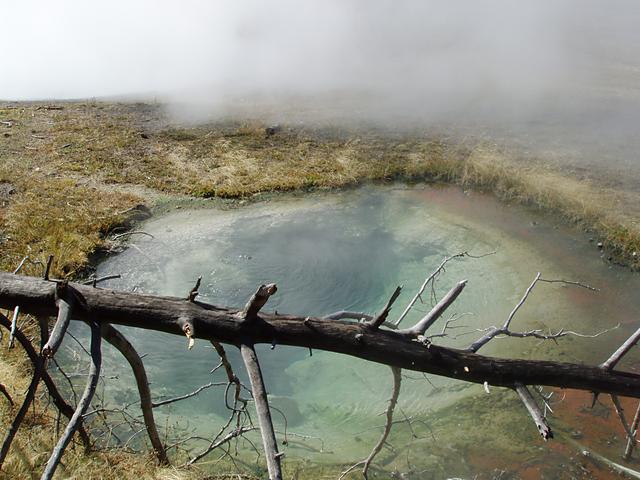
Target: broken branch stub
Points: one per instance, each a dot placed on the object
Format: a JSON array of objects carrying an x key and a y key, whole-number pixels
[
  {"x": 613, "y": 360},
  {"x": 533, "y": 409},
  {"x": 65, "y": 304},
  {"x": 382, "y": 316},
  {"x": 436, "y": 312},
  {"x": 258, "y": 300}
]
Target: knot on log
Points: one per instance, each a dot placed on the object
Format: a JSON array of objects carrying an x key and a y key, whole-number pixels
[{"x": 189, "y": 331}]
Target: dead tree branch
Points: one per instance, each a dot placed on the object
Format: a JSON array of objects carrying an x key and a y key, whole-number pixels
[
  {"x": 613, "y": 360},
  {"x": 14, "y": 325},
  {"x": 631, "y": 440},
  {"x": 382, "y": 316},
  {"x": 57, "y": 398},
  {"x": 115, "y": 338},
  {"x": 223, "y": 324},
  {"x": 24, "y": 408},
  {"x": 533, "y": 409},
  {"x": 6, "y": 394},
  {"x": 436, "y": 312},
  {"x": 65, "y": 306},
  {"x": 83, "y": 404},
  {"x": 269, "y": 442}
]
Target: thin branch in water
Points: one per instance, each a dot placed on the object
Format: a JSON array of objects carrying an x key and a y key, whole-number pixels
[
  {"x": 397, "y": 379},
  {"x": 133, "y": 232},
  {"x": 187, "y": 395},
  {"x": 95, "y": 281}
]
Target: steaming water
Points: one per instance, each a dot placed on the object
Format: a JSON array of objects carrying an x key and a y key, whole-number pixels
[{"x": 336, "y": 251}]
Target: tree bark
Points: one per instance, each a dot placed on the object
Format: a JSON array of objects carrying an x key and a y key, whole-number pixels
[{"x": 393, "y": 348}]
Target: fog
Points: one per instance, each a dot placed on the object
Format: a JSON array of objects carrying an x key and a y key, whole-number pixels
[{"x": 574, "y": 63}]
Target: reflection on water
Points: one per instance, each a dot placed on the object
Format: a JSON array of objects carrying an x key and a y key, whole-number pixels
[{"x": 337, "y": 251}]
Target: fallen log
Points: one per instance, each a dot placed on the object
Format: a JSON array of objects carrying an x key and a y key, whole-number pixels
[{"x": 402, "y": 349}]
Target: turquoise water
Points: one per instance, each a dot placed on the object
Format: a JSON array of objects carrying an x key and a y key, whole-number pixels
[{"x": 348, "y": 251}]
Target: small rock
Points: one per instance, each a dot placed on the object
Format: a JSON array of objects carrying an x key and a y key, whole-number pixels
[
  {"x": 599, "y": 245},
  {"x": 272, "y": 130},
  {"x": 144, "y": 135}
]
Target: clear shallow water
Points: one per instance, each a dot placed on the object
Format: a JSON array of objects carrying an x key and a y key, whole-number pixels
[{"x": 330, "y": 252}]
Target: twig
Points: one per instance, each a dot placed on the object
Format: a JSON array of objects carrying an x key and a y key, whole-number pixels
[
  {"x": 83, "y": 404},
  {"x": 397, "y": 379},
  {"x": 342, "y": 314},
  {"x": 58, "y": 400},
  {"x": 133, "y": 232},
  {"x": 426, "y": 283},
  {"x": 95, "y": 281},
  {"x": 187, "y": 395},
  {"x": 504, "y": 330}
]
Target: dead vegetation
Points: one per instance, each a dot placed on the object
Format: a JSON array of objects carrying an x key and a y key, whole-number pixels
[{"x": 78, "y": 161}]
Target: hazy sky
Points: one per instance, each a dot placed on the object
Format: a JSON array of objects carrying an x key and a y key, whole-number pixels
[{"x": 449, "y": 55}]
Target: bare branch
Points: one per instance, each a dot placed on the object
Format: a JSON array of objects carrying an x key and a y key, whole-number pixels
[
  {"x": 382, "y": 316},
  {"x": 24, "y": 408},
  {"x": 58, "y": 400},
  {"x": 262, "y": 409},
  {"x": 425, "y": 284},
  {"x": 6, "y": 394},
  {"x": 115, "y": 338},
  {"x": 83, "y": 404},
  {"x": 14, "y": 325},
  {"x": 570, "y": 282},
  {"x": 621, "y": 415},
  {"x": 187, "y": 395},
  {"x": 534, "y": 411},
  {"x": 631, "y": 441},
  {"x": 95, "y": 281},
  {"x": 613, "y": 360},
  {"x": 193, "y": 293},
  {"x": 421, "y": 327},
  {"x": 132, "y": 232},
  {"x": 342, "y": 314}
]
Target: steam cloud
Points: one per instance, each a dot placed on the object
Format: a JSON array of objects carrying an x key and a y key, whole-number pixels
[{"x": 422, "y": 59}]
